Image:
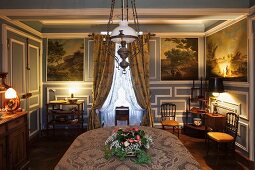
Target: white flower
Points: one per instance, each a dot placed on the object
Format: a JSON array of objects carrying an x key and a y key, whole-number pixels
[{"x": 126, "y": 143}]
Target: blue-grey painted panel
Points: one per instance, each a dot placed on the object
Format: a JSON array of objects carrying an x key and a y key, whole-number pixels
[
  {"x": 185, "y": 91},
  {"x": 77, "y": 4},
  {"x": 34, "y": 100},
  {"x": 17, "y": 66},
  {"x": 89, "y": 60},
  {"x": 33, "y": 65},
  {"x": 33, "y": 116},
  {"x": 152, "y": 59}
]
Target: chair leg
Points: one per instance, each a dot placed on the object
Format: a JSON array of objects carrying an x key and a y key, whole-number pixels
[
  {"x": 207, "y": 152},
  {"x": 218, "y": 153},
  {"x": 173, "y": 129},
  {"x": 178, "y": 131}
]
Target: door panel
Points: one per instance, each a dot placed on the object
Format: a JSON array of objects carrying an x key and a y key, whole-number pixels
[
  {"x": 34, "y": 78},
  {"x": 17, "y": 69}
]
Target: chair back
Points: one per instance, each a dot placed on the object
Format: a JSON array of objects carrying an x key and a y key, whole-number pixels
[
  {"x": 232, "y": 124},
  {"x": 168, "y": 111}
]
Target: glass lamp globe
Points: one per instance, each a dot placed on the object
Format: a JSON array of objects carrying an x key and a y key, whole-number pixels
[
  {"x": 129, "y": 33},
  {"x": 10, "y": 93}
]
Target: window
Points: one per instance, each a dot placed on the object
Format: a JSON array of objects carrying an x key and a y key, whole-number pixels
[{"x": 121, "y": 94}]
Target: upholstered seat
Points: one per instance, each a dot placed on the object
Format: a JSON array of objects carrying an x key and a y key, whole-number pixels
[
  {"x": 168, "y": 112},
  {"x": 169, "y": 123},
  {"x": 220, "y": 137}
]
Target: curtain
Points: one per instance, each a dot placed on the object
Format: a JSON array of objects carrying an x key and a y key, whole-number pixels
[
  {"x": 139, "y": 66},
  {"x": 102, "y": 78},
  {"x": 121, "y": 94}
]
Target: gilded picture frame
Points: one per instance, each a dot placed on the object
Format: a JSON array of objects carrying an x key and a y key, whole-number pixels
[
  {"x": 179, "y": 59},
  {"x": 227, "y": 53},
  {"x": 65, "y": 59}
]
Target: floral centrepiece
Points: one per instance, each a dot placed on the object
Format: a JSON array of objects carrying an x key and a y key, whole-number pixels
[{"x": 128, "y": 142}]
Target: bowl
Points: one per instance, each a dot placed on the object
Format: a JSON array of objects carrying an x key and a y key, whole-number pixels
[
  {"x": 197, "y": 121},
  {"x": 72, "y": 100}
]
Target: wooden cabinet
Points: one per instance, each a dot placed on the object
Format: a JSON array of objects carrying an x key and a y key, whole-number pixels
[
  {"x": 14, "y": 141},
  {"x": 2, "y": 153},
  {"x": 215, "y": 122}
]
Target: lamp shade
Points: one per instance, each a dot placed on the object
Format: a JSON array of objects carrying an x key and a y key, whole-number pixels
[
  {"x": 10, "y": 93},
  {"x": 128, "y": 33},
  {"x": 216, "y": 85}
]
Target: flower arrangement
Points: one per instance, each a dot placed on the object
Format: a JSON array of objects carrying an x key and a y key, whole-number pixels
[{"x": 128, "y": 142}]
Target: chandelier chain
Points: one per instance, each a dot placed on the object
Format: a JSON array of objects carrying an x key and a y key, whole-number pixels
[
  {"x": 135, "y": 16},
  {"x": 127, "y": 8},
  {"x": 110, "y": 17}
]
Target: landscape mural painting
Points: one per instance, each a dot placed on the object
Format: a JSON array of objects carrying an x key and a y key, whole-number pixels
[
  {"x": 65, "y": 60},
  {"x": 179, "y": 58},
  {"x": 226, "y": 53}
]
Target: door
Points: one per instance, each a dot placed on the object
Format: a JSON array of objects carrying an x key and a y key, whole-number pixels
[{"x": 23, "y": 60}]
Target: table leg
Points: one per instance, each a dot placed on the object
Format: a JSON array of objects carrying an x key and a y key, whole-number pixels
[{"x": 47, "y": 125}]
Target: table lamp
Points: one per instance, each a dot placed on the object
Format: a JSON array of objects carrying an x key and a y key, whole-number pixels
[
  {"x": 72, "y": 90},
  {"x": 216, "y": 87},
  {"x": 12, "y": 101}
]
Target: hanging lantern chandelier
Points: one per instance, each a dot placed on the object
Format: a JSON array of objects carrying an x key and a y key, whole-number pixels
[{"x": 124, "y": 34}]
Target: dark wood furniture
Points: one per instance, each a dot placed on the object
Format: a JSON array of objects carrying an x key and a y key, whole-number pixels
[
  {"x": 73, "y": 117},
  {"x": 194, "y": 112},
  {"x": 14, "y": 141},
  {"x": 122, "y": 113},
  {"x": 228, "y": 136},
  {"x": 210, "y": 121},
  {"x": 215, "y": 122},
  {"x": 168, "y": 113}
]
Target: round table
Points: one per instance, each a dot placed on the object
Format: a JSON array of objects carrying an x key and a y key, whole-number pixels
[{"x": 87, "y": 152}]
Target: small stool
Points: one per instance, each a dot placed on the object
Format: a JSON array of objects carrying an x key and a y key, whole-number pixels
[{"x": 122, "y": 113}]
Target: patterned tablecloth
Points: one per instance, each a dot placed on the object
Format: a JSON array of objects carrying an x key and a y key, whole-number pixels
[{"x": 87, "y": 152}]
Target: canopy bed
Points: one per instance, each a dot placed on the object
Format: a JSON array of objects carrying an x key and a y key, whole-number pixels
[{"x": 87, "y": 152}]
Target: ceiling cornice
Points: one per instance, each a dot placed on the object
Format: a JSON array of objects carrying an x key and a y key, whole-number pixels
[
  {"x": 224, "y": 25},
  {"x": 141, "y": 11},
  {"x": 23, "y": 26}
]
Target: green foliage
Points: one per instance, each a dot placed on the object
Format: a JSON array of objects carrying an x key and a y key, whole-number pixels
[
  {"x": 128, "y": 142},
  {"x": 142, "y": 157}
]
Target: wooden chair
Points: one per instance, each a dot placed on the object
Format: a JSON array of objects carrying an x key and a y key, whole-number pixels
[
  {"x": 122, "y": 114},
  {"x": 229, "y": 134},
  {"x": 168, "y": 112}
]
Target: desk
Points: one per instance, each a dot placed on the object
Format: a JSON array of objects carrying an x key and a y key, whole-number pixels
[
  {"x": 73, "y": 117},
  {"x": 87, "y": 152}
]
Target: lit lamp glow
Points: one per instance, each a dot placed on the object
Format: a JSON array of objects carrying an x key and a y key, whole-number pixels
[
  {"x": 12, "y": 101},
  {"x": 216, "y": 87},
  {"x": 72, "y": 90}
]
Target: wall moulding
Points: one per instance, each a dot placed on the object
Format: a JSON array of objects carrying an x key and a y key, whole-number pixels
[{"x": 65, "y": 35}]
